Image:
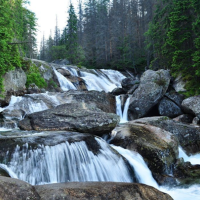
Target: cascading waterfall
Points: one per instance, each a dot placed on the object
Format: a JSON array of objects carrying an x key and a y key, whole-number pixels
[
  {"x": 142, "y": 172},
  {"x": 65, "y": 163},
  {"x": 65, "y": 84},
  {"x": 123, "y": 115},
  {"x": 99, "y": 80}
]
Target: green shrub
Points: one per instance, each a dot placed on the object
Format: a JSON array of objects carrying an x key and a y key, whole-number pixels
[{"x": 37, "y": 79}]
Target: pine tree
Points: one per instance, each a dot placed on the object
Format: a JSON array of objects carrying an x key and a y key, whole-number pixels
[
  {"x": 72, "y": 36},
  {"x": 9, "y": 55}
]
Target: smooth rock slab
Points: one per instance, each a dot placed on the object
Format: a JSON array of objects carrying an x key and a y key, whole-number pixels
[
  {"x": 100, "y": 191},
  {"x": 81, "y": 117},
  {"x": 14, "y": 189}
]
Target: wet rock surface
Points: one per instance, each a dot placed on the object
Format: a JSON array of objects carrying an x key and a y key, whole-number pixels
[
  {"x": 79, "y": 117},
  {"x": 186, "y": 173},
  {"x": 100, "y": 191}
]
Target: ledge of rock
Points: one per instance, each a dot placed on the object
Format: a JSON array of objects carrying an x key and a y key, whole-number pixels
[
  {"x": 79, "y": 117},
  {"x": 100, "y": 191},
  {"x": 11, "y": 188}
]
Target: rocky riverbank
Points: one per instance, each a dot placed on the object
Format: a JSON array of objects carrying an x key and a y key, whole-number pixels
[{"x": 160, "y": 120}]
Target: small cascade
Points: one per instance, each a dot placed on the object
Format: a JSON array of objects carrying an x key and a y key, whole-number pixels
[
  {"x": 67, "y": 162},
  {"x": 118, "y": 106},
  {"x": 29, "y": 104},
  {"x": 194, "y": 159},
  {"x": 102, "y": 80},
  {"x": 142, "y": 172},
  {"x": 123, "y": 115},
  {"x": 65, "y": 84}
]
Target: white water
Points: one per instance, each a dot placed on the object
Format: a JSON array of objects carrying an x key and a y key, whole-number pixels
[
  {"x": 142, "y": 172},
  {"x": 31, "y": 103},
  {"x": 67, "y": 162},
  {"x": 123, "y": 115},
  {"x": 144, "y": 175},
  {"x": 194, "y": 159},
  {"x": 104, "y": 80},
  {"x": 65, "y": 84}
]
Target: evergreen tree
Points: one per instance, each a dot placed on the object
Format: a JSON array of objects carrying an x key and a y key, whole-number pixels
[
  {"x": 9, "y": 55},
  {"x": 72, "y": 36}
]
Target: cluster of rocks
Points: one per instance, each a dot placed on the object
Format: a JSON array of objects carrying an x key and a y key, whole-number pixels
[{"x": 151, "y": 95}]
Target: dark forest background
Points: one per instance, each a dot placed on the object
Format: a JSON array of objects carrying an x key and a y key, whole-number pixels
[{"x": 114, "y": 34}]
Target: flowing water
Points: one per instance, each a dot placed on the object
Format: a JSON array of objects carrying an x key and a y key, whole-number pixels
[
  {"x": 123, "y": 114},
  {"x": 65, "y": 84},
  {"x": 99, "y": 80},
  {"x": 66, "y": 162}
]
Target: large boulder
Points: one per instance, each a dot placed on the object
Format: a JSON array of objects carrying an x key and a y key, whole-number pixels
[
  {"x": 38, "y": 102},
  {"x": 11, "y": 188},
  {"x": 188, "y": 135},
  {"x": 15, "y": 80},
  {"x": 153, "y": 86},
  {"x": 191, "y": 105},
  {"x": 14, "y": 84},
  {"x": 100, "y": 191},
  {"x": 168, "y": 108},
  {"x": 79, "y": 117},
  {"x": 159, "y": 148}
]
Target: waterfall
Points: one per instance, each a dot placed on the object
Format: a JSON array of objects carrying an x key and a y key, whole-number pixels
[
  {"x": 65, "y": 84},
  {"x": 194, "y": 159},
  {"x": 142, "y": 172},
  {"x": 105, "y": 80},
  {"x": 100, "y": 80},
  {"x": 123, "y": 115},
  {"x": 67, "y": 162}
]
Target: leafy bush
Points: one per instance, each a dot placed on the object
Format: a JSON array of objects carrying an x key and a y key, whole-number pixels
[
  {"x": 37, "y": 79},
  {"x": 34, "y": 76}
]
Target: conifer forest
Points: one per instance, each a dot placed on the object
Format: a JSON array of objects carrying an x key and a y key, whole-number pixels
[{"x": 113, "y": 34}]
